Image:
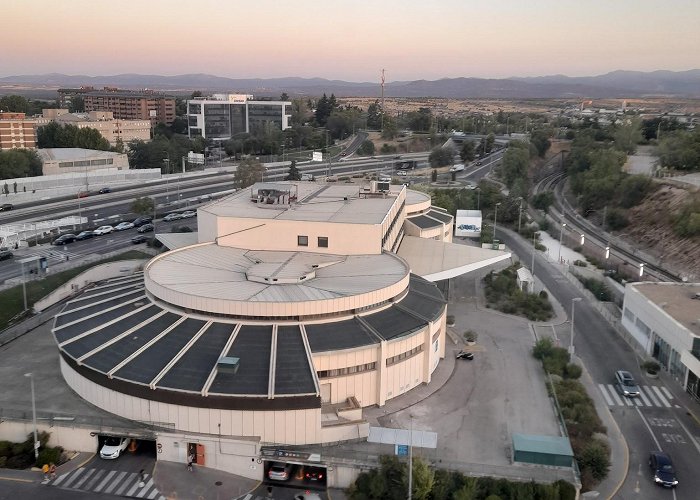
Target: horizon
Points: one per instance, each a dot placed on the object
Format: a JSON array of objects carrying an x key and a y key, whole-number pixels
[{"x": 449, "y": 39}]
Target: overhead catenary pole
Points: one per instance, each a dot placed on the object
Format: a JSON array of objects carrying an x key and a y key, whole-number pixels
[{"x": 382, "y": 123}]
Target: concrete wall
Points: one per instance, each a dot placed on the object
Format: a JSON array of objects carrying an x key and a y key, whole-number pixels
[
  {"x": 97, "y": 273},
  {"x": 70, "y": 438},
  {"x": 115, "y": 161}
]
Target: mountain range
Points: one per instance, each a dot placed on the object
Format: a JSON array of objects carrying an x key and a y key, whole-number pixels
[{"x": 616, "y": 84}]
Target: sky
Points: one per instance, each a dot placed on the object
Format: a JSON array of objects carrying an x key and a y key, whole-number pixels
[{"x": 348, "y": 40}]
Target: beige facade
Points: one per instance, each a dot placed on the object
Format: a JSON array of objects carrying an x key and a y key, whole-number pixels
[
  {"x": 69, "y": 160},
  {"x": 17, "y": 131},
  {"x": 112, "y": 129}
]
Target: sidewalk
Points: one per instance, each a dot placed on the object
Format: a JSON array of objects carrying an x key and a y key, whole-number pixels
[{"x": 174, "y": 481}]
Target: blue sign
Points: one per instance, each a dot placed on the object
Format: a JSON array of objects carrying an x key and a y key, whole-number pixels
[{"x": 401, "y": 450}]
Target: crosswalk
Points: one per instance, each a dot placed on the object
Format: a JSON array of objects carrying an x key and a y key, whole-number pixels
[
  {"x": 120, "y": 483},
  {"x": 649, "y": 395}
]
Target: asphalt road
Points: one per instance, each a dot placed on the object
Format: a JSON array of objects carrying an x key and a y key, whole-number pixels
[{"x": 645, "y": 428}]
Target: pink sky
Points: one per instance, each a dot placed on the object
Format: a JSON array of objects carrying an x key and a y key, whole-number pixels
[{"x": 348, "y": 40}]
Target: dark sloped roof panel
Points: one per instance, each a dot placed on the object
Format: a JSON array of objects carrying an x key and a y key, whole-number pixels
[
  {"x": 76, "y": 315},
  {"x": 150, "y": 362},
  {"x": 425, "y": 287},
  {"x": 346, "y": 334},
  {"x": 392, "y": 323},
  {"x": 107, "y": 359},
  {"x": 192, "y": 370},
  {"x": 81, "y": 303},
  {"x": 422, "y": 305},
  {"x": 446, "y": 218},
  {"x": 86, "y": 344},
  {"x": 88, "y": 324},
  {"x": 292, "y": 371},
  {"x": 252, "y": 346},
  {"x": 424, "y": 222}
]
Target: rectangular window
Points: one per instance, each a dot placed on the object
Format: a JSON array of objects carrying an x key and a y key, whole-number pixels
[
  {"x": 303, "y": 241},
  {"x": 322, "y": 242}
]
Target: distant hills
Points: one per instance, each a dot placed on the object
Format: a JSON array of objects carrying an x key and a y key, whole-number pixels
[{"x": 616, "y": 84}]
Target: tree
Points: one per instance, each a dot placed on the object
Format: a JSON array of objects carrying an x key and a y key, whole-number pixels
[
  {"x": 294, "y": 174},
  {"x": 249, "y": 172},
  {"x": 467, "y": 153},
  {"x": 540, "y": 139},
  {"x": 16, "y": 163},
  {"x": 374, "y": 115},
  {"x": 55, "y": 135},
  {"x": 490, "y": 141},
  {"x": 77, "y": 104},
  {"x": 366, "y": 148},
  {"x": 143, "y": 205},
  {"x": 627, "y": 136},
  {"x": 516, "y": 160},
  {"x": 440, "y": 157},
  {"x": 284, "y": 97},
  {"x": 14, "y": 104},
  {"x": 433, "y": 177},
  {"x": 423, "y": 479}
]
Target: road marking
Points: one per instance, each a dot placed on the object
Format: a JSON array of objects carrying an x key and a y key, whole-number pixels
[
  {"x": 667, "y": 393},
  {"x": 643, "y": 397},
  {"x": 605, "y": 394},
  {"x": 116, "y": 482},
  {"x": 658, "y": 446},
  {"x": 614, "y": 394},
  {"x": 638, "y": 402},
  {"x": 94, "y": 479},
  {"x": 661, "y": 396},
  {"x": 105, "y": 480},
  {"x": 85, "y": 477},
  {"x": 70, "y": 476},
  {"x": 650, "y": 393}
]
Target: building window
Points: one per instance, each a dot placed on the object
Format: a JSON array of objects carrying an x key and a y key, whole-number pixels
[
  {"x": 303, "y": 241},
  {"x": 323, "y": 242}
]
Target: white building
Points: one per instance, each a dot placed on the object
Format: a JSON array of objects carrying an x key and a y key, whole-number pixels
[
  {"x": 222, "y": 116},
  {"x": 664, "y": 318},
  {"x": 69, "y": 160}
]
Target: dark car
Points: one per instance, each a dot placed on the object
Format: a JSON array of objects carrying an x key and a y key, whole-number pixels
[
  {"x": 5, "y": 207},
  {"x": 64, "y": 239},
  {"x": 5, "y": 253},
  {"x": 85, "y": 235},
  {"x": 465, "y": 355},
  {"x": 662, "y": 467},
  {"x": 146, "y": 228},
  {"x": 140, "y": 221},
  {"x": 105, "y": 190},
  {"x": 141, "y": 238},
  {"x": 314, "y": 473}
]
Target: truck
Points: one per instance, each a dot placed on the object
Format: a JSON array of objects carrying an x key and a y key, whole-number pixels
[
  {"x": 457, "y": 168},
  {"x": 307, "y": 177}
]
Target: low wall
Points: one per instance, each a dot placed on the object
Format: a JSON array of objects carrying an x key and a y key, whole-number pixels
[
  {"x": 92, "y": 275},
  {"x": 69, "y": 438}
]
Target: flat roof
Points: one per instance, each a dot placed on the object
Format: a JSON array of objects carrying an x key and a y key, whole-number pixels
[
  {"x": 315, "y": 202},
  {"x": 552, "y": 445},
  {"x": 425, "y": 222},
  {"x": 676, "y": 300},
  {"x": 74, "y": 154}
]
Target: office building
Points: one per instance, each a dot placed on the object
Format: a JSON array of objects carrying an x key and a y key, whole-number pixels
[{"x": 17, "y": 131}]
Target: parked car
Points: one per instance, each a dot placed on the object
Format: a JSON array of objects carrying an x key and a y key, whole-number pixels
[
  {"x": 64, "y": 239},
  {"x": 662, "y": 467},
  {"x": 123, "y": 226},
  {"x": 313, "y": 473},
  {"x": 141, "y": 238},
  {"x": 465, "y": 355},
  {"x": 140, "y": 221},
  {"x": 84, "y": 235},
  {"x": 188, "y": 214},
  {"x": 104, "y": 190},
  {"x": 5, "y": 207},
  {"x": 280, "y": 471},
  {"x": 172, "y": 216},
  {"x": 402, "y": 173},
  {"x": 113, "y": 447},
  {"x": 478, "y": 163},
  {"x": 625, "y": 384},
  {"x": 5, "y": 253},
  {"x": 103, "y": 230},
  {"x": 146, "y": 228},
  {"x": 83, "y": 194}
]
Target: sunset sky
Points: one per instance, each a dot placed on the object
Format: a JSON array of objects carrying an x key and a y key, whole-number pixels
[{"x": 348, "y": 40}]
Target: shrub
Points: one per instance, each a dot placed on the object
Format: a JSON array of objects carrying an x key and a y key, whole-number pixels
[
  {"x": 540, "y": 247},
  {"x": 572, "y": 371},
  {"x": 543, "y": 294},
  {"x": 599, "y": 289},
  {"x": 49, "y": 455},
  {"x": 651, "y": 366},
  {"x": 543, "y": 348},
  {"x": 450, "y": 320},
  {"x": 470, "y": 336},
  {"x": 580, "y": 263},
  {"x": 595, "y": 457}
]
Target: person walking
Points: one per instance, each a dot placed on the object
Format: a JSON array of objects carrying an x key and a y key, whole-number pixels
[
  {"x": 45, "y": 470},
  {"x": 190, "y": 459},
  {"x": 142, "y": 478},
  {"x": 52, "y": 470}
]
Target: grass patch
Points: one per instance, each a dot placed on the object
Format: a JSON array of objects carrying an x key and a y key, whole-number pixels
[
  {"x": 12, "y": 299},
  {"x": 503, "y": 294}
]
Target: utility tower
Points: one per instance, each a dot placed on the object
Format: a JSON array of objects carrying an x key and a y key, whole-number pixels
[{"x": 382, "y": 127}]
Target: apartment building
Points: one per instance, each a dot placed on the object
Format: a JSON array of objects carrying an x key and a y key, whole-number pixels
[
  {"x": 124, "y": 104},
  {"x": 111, "y": 128},
  {"x": 17, "y": 131}
]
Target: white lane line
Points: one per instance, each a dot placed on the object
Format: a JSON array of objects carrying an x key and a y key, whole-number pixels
[
  {"x": 85, "y": 477},
  {"x": 650, "y": 393},
  {"x": 93, "y": 480},
  {"x": 627, "y": 400},
  {"x": 644, "y": 398},
  {"x": 105, "y": 480},
  {"x": 133, "y": 488},
  {"x": 605, "y": 394},
  {"x": 124, "y": 484},
  {"x": 153, "y": 494},
  {"x": 116, "y": 482},
  {"x": 637, "y": 401},
  {"x": 614, "y": 394},
  {"x": 661, "y": 396},
  {"x": 71, "y": 477},
  {"x": 646, "y": 424},
  {"x": 667, "y": 393}
]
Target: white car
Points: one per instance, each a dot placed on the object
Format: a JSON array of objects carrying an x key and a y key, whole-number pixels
[
  {"x": 103, "y": 230},
  {"x": 122, "y": 226},
  {"x": 188, "y": 214},
  {"x": 402, "y": 173},
  {"x": 172, "y": 216},
  {"x": 113, "y": 447}
]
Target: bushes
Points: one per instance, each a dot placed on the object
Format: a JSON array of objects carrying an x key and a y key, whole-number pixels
[
  {"x": 21, "y": 455},
  {"x": 597, "y": 288},
  {"x": 503, "y": 294}
]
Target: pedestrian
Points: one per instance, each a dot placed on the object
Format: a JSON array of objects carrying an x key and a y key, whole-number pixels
[
  {"x": 45, "y": 470},
  {"x": 269, "y": 492},
  {"x": 52, "y": 470},
  {"x": 142, "y": 478},
  {"x": 190, "y": 459}
]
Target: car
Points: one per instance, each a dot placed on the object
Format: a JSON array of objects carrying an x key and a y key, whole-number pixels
[
  {"x": 172, "y": 216},
  {"x": 84, "y": 235},
  {"x": 402, "y": 173},
  {"x": 397, "y": 157},
  {"x": 103, "y": 230},
  {"x": 5, "y": 207},
  {"x": 279, "y": 471},
  {"x": 140, "y": 221},
  {"x": 662, "y": 467},
  {"x": 104, "y": 190},
  {"x": 308, "y": 495},
  {"x": 123, "y": 226},
  {"x": 64, "y": 239},
  {"x": 5, "y": 253},
  {"x": 113, "y": 447},
  {"x": 457, "y": 168},
  {"x": 343, "y": 153},
  {"x": 83, "y": 194},
  {"x": 478, "y": 163},
  {"x": 471, "y": 187},
  {"x": 188, "y": 214},
  {"x": 314, "y": 473},
  {"x": 465, "y": 355},
  {"x": 141, "y": 238},
  {"x": 625, "y": 384},
  {"x": 384, "y": 178},
  {"x": 146, "y": 228}
]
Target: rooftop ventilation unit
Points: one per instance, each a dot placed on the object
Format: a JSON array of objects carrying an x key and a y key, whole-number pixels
[{"x": 228, "y": 364}]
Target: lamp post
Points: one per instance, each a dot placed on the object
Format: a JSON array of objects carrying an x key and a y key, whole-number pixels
[
  {"x": 573, "y": 312},
  {"x": 36, "y": 442},
  {"x": 583, "y": 239},
  {"x": 520, "y": 213},
  {"x": 561, "y": 235},
  {"x": 478, "y": 198},
  {"x": 641, "y": 269},
  {"x": 495, "y": 212},
  {"x": 534, "y": 248},
  {"x": 410, "y": 461}
]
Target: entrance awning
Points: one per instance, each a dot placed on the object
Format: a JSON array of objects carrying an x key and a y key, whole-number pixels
[
  {"x": 437, "y": 260},
  {"x": 177, "y": 240}
]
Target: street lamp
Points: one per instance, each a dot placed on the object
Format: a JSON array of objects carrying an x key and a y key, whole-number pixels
[
  {"x": 561, "y": 235},
  {"x": 36, "y": 441},
  {"x": 495, "y": 212},
  {"x": 573, "y": 312},
  {"x": 520, "y": 213},
  {"x": 478, "y": 198},
  {"x": 583, "y": 239},
  {"x": 534, "y": 248}
]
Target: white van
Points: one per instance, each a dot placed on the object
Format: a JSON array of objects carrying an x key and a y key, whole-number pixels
[
  {"x": 307, "y": 177},
  {"x": 457, "y": 168}
]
